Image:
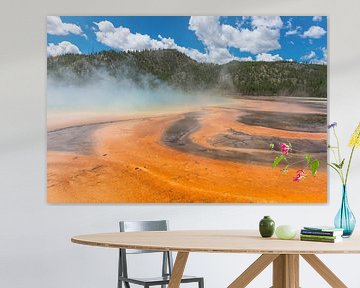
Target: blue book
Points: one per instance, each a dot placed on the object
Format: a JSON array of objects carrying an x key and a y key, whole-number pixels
[{"x": 322, "y": 231}]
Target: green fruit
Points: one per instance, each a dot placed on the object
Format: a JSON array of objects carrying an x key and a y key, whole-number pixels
[{"x": 285, "y": 232}]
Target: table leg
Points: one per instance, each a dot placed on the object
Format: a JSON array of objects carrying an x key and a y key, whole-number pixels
[
  {"x": 178, "y": 270},
  {"x": 286, "y": 271},
  {"x": 324, "y": 271},
  {"x": 253, "y": 270}
]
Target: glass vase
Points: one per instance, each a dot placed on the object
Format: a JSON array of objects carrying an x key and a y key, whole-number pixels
[{"x": 345, "y": 219}]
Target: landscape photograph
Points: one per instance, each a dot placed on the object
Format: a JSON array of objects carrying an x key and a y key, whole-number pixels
[{"x": 186, "y": 109}]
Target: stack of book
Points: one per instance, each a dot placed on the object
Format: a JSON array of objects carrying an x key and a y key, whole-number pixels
[{"x": 321, "y": 234}]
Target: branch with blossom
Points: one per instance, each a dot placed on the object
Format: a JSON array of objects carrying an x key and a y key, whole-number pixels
[
  {"x": 285, "y": 155},
  {"x": 340, "y": 162}
]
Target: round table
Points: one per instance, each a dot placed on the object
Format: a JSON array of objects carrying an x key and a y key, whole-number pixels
[{"x": 284, "y": 254}]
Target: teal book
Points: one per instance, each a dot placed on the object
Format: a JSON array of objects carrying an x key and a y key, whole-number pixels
[{"x": 323, "y": 228}]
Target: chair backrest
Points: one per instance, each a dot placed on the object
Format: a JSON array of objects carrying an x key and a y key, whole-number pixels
[
  {"x": 133, "y": 226},
  {"x": 138, "y": 226}
]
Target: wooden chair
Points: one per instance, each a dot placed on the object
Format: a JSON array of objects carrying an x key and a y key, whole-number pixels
[{"x": 167, "y": 263}]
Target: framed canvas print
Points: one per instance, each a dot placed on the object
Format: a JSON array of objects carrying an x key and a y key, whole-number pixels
[{"x": 188, "y": 109}]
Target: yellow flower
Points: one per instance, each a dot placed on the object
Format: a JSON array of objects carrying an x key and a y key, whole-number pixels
[{"x": 355, "y": 138}]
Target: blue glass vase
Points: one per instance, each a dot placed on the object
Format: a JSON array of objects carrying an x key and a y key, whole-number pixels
[{"x": 345, "y": 219}]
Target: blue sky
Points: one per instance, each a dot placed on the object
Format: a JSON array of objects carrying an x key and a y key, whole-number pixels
[{"x": 213, "y": 39}]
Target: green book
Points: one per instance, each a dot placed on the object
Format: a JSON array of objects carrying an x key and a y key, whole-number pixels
[
  {"x": 324, "y": 240},
  {"x": 319, "y": 236}
]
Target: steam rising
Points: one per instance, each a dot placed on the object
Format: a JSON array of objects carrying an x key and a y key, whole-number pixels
[{"x": 104, "y": 92}]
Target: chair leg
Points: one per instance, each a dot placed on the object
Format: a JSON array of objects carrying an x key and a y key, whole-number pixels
[
  {"x": 120, "y": 273},
  {"x": 201, "y": 283}
]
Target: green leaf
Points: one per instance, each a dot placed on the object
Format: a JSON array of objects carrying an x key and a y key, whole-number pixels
[
  {"x": 277, "y": 160},
  {"x": 336, "y": 165},
  {"x": 333, "y": 167},
  {"x": 307, "y": 157},
  {"x": 342, "y": 164},
  {"x": 272, "y": 146},
  {"x": 314, "y": 166}
]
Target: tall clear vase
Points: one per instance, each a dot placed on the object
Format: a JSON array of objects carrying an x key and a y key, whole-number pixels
[{"x": 345, "y": 219}]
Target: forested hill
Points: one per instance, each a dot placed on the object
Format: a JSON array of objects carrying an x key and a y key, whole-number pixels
[{"x": 156, "y": 67}]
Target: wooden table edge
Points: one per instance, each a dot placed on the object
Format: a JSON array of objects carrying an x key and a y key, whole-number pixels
[{"x": 203, "y": 250}]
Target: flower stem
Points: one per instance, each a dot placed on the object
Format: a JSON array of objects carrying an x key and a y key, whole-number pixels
[
  {"x": 348, "y": 167},
  {"x": 339, "y": 155},
  {"x": 337, "y": 171},
  {"x": 294, "y": 163},
  {"x": 338, "y": 145}
]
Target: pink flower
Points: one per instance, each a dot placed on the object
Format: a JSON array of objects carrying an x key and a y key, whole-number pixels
[
  {"x": 284, "y": 148},
  {"x": 300, "y": 175}
]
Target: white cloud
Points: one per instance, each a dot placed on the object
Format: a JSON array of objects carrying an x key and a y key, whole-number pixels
[
  {"x": 293, "y": 31},
  {"x": 272, "y": 22},
  {"x": 62, "y": 48},
  {"x": 289, "y": 24},
  {"x": 169, "y": 43},
  {"x": 219, "y": 55},
  {"x": 309, "y": 56},
  {"x": 268, "y": 57},
  {"x": 317, "y": 18},
  {"x": 323, "y": 60},
  {"x": 264, "y": 35},
  {"x": 290, "y": 29},
  {"x": 208, "y": 30},
  {"x": 314, "y": 32},
  {"x": 55, "y": 26},
  {"x": 318, "y": 61},
  {"x": 246, "y": 59},
  {"x": 217, "y": 38},
  {"x": 324, "y": 50},
  {"x": 122, "y": 38}
]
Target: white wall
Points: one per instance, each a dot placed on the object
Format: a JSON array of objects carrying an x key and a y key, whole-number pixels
[{"x": 35, "y": 248}]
